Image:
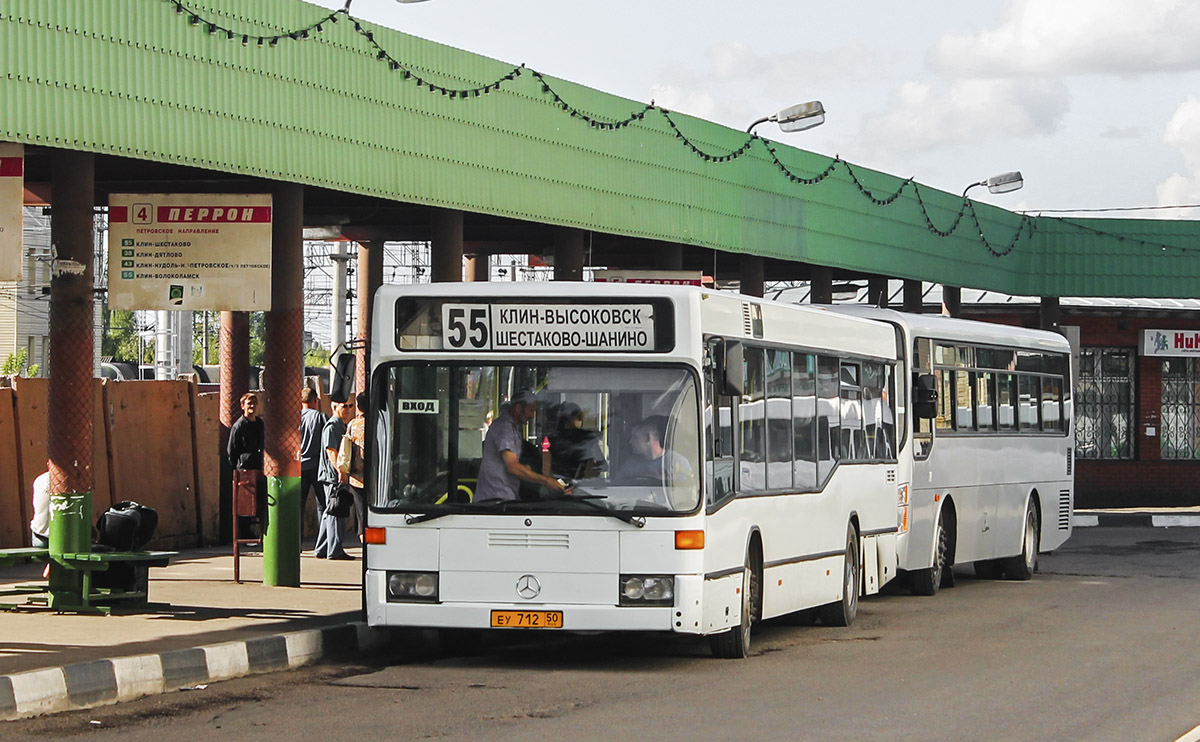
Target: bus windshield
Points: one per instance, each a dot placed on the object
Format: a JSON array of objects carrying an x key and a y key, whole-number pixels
[{"x": 626, "y": 437}]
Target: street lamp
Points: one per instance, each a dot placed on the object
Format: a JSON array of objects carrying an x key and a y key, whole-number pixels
[
  {"x": 795, "y": 118},
  {"x": 1002, "y": 183}
]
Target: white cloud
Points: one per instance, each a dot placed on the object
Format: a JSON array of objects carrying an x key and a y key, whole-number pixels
[
  {"x": 1064, "y": 37},
  {"x": 1183, "y": 133},
  {"x": 921, "y": 117}
]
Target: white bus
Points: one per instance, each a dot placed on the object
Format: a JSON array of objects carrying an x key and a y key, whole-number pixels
[
  {"x": 990, "y": 456},
  {"x": 790, "y": 501}
]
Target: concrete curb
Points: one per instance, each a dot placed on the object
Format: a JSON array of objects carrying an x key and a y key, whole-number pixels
[
  {"x": 1139, "y": 520},
  {"x": 102, "y": 682}
]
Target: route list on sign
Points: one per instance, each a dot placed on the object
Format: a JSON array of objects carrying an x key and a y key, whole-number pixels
[
  {"x": 551, "y": 327},
  {"x": 203, "y": 251}
]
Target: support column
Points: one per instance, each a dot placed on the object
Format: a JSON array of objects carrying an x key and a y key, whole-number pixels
[
  {"x": 1049, "y": 314},
  {"x": 337, "y": 334},
  {"x": 877, "y": 291},
  {"x": 370, "y": 278},
  {"x": 446, "y": 248},
  {"x": 820, "y": 285},
  {"x": 284, "y": 369},
  {"x": 234, "y": 357},
  {"x": 752, "y": 275},
  {"x": 669, "y": 257},
  {"x": 568, "y": 254},
  {"x": 913, "y": 302},
  {"x": 476, "y": 266},
  {"x": 71, "y": 395},
  {"x": 952, "y": 300}
]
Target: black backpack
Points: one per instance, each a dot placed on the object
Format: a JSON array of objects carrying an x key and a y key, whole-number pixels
[{"x": 126, "y": 526}]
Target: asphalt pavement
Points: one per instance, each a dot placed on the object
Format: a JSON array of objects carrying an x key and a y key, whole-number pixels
[{"x": 214, "y": 629}]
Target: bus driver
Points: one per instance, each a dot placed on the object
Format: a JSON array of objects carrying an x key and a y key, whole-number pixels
[{"x": 500, "y": 472}]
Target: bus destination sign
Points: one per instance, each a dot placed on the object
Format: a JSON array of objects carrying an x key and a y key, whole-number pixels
[{"x": 548, "y": 327}]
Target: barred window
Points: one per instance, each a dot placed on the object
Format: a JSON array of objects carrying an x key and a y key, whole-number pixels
[
  {"x": 1104, "y": 399},
  {"x": 1180, "y": 406}
]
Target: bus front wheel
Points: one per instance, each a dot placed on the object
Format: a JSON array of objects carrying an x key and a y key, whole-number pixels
[
  {"x": 734, "y": 643},
  {"x": 927, "y": 581},
  {"x": 842, "y": 612}
]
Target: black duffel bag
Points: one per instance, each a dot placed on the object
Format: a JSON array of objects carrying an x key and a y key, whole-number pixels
[{"x": 126, "y": 526}]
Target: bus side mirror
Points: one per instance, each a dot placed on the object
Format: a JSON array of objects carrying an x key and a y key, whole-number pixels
[
  {"x": 925, "y": 400},
  {"x": 733, "y": 369},
  {"x": 341, "y": 387}
]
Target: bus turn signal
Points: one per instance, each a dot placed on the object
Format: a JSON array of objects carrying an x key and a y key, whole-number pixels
[
  {"x": 375, "y": 536},
  {"x": 689, "y": 539}
]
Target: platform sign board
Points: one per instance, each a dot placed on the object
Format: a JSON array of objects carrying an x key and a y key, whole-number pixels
[
  {"x": 201, "y": 251},
  {"x": 12, "y": 195},
  {"x": 669, "y": 278}
]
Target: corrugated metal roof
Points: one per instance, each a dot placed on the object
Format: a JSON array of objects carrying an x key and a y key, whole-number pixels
[{"x": 358, "y": 108}]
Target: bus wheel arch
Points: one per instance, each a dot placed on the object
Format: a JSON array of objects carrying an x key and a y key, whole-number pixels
[{"x": 734, "y": 642}]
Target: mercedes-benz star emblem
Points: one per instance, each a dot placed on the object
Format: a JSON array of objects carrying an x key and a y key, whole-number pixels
[{"x": 528, "y": 587}]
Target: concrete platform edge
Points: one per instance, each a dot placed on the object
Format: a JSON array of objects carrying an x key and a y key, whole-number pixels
[{"x": 102, "y": 682}]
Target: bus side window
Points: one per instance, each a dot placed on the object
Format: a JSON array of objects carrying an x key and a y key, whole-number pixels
[
  {"x": 752, "y": 424},
  {"x": 829, "y": 425},
  {"x": 804, "y": 421},
  {"x": 718, "y": 425}
]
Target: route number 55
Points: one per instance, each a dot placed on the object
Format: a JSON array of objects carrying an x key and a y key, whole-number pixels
[{"x": 466, "y": 326}]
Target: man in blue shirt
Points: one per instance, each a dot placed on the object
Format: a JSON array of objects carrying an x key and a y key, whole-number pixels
[
  {"x": 329, "y": 533},
  {"x": 311, "y": 422},
  {"x": 501, "y": 472}
]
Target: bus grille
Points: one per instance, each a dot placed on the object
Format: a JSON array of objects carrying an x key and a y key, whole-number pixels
[
  {"x": 1070, "y": 460},
  {"x": 1064, "y": 510},
  {"x": 521, "y": 540}
]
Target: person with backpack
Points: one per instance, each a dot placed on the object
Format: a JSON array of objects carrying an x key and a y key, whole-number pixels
[{"x": 329, "y": 532}]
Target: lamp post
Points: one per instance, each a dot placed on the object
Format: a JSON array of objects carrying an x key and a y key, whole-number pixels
[
  {"x": 795, "y": 118},
  {"x": 1002, "y": 183}
]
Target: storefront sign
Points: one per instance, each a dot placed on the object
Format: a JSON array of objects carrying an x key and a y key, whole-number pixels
[
  {"x": 12, "y": 194},
  {"x": 209, "y": 251},
  {"x": 1171, "y": 342}
]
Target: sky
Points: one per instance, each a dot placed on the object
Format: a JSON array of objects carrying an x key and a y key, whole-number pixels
[{"x": 1096, "y": 102}]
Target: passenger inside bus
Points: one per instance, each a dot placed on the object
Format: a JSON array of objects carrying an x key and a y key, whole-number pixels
[
  {"x": 575, "y": 451},
  {"x": 650, "y": 460}
]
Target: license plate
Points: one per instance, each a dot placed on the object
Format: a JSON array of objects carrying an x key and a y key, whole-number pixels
[{"x": 527, "y": 619}]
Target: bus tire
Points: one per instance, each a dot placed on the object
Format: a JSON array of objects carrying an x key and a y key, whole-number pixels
[
  {"x": 927, "y": 581},
  {"x": 1022, "y": 566},
  {"x": 842, "y": 612},
  {"x": 734, "y": 643}
]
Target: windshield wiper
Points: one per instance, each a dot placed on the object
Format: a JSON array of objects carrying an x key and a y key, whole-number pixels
[
  {"x": 634, "y": 520},
  {"x": 490, "y": 504}
]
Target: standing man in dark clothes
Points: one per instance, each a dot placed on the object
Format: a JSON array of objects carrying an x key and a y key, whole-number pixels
[
  {"x": 329, "y": 534},
  {"x": 311, "y": 422},
  {"x": 246, "y": 439}
]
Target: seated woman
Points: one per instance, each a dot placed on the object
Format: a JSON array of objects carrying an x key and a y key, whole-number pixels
[{"x": 574, "y": 452}]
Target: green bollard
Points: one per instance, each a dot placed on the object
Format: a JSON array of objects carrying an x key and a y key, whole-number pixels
[
  {"x": 281, "y": 542},
  {"x": 70, "y": 533}
]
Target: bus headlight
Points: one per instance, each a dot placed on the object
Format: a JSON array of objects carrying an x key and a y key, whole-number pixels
[
  {"x": 412, "y": 586},
  {"x": 647, "y": 590}
]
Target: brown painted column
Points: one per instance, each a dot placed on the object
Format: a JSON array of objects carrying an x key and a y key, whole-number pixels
[
  {"x": 752, "y": 275},
  {"x": 477, "y": 266},
  {"x": 877, "y": 291},
  {"x": 234, "y": 355},
  {"x": 913, "y": 301},
  {"x": 446, "y": 248},
  {"x": 370, "y": 278},
  {"x": 952, "y": 300},
  {"x": 1050, "y": 313},
  {"x": 568, "y": 254},
  {"x": 284, "y": 374},
  {"x": 72, "y": 397},
  {"x": 821, "y": 285},
  {"x": 669, "y": 257}
]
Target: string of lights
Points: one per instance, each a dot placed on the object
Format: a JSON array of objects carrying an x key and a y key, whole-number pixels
[{"x": 1026, "y": 228}]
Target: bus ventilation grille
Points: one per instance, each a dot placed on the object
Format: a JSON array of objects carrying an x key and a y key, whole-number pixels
[
  {"x": 891, "y": 476},
  {"x": 1064, "y": 510},
  {"x": 1070, "y": 460},
  {"x": 747, "y": 321},
  {"x": 530, "y": 540}
]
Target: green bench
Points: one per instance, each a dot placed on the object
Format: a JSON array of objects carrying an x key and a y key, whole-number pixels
[{"x": 88, "y": 599}]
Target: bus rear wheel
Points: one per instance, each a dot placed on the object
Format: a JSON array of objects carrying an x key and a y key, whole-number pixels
[
  {"x": 842, "y": 612},
  {"x": 734, "y": 643},
  {"x": 1022, "y": 566}
]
